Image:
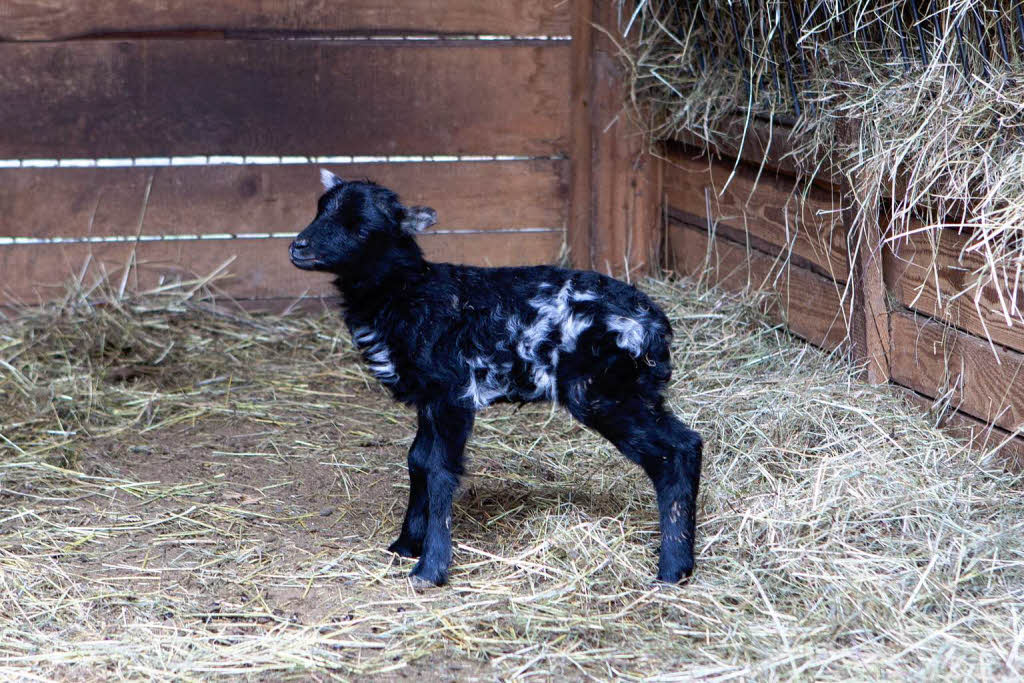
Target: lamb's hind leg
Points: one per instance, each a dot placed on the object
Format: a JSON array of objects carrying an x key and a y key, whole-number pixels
[{"x": 670, "y": 454}]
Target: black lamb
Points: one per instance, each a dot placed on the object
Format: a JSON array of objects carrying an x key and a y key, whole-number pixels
[{"x": 452, "y": 339}]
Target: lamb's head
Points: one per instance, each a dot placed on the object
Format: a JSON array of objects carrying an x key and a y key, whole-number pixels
[{"x": 357, "y": 222}]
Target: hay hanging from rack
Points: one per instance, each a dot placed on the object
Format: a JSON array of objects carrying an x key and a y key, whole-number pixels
[{"x": 934, "y": 90}]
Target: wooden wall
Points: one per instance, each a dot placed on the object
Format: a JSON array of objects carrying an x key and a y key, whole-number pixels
[
  {"x": 171, "y": 138},
  {"x": 748, "y": 232},
  {"x": 774, "y": 234}
]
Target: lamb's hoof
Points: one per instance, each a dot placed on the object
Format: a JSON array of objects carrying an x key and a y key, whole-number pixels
[
  {"x": 405, "y": 549},
  {"x": 677, "y": 574},
  {"x": 425, "y": 577}
]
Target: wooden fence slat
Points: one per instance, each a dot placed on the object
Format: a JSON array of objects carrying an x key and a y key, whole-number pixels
[
  {"x": 260, "y": 269},
  {"x": 182, "y": 97},
  {"x": 615, "y": 222},
  {"x": 766, "y": 209},
  {"x": 913, "y": 280},
  {"x": 810, "y": 304},
  {"x": 57, "y": 19},
  {"x": 934, "y": 359},
  {"x": 69, "y": 202}
]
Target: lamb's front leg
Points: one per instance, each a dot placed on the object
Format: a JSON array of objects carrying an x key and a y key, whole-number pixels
[
  {"x": 414, "y": 527},
  {"x": 450, "y": 427}
]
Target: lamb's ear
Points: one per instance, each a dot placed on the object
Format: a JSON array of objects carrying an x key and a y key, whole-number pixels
[
  {"x": 418, "y": 219},
  {"x": 329, "y": 180}
]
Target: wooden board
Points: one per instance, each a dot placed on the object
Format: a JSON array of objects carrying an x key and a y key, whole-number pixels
[
  {"x": 179, "y": 97},
  {"x": 260, "y": 268},
  {"x": 68, "y": 202},
  {"x": 766, "y": 209},
  {"x": 55, "y": 19},
  {"x": 979, "y": 435},
  {"x": 933, "y": 359},
  {"x": 762, "y": 144},
  {"x": 912, "y": 280},
  {"x": 581, "y": 142},
  {"x": 808, "y": 303},
  {"x": 777, "y": 147}
]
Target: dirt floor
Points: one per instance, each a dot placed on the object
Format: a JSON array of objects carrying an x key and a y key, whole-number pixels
[{"x": 187, "y": 494}]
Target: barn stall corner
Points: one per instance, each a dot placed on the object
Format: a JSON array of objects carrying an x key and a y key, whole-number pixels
[
  {"x": 863, "y": 160},
  {"x": 199, "y": 478}
]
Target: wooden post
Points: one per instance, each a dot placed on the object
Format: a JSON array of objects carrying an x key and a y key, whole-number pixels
[
  {"x": 869, "y": 327},
  {"x": 615, "y": 198}
]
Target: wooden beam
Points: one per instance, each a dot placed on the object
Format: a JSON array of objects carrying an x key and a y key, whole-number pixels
[
  {"x": 761, "y": 144},
  {"x": 581, "y": 152},
  {"x": 184, "y": 200},
  {"x": 869, "y": 329},
  {"x": 61, "y": 19},
  {"x": 615, "y": 217}
]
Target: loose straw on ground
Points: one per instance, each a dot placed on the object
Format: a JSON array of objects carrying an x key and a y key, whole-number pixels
[{"x": 188, "y": 493}]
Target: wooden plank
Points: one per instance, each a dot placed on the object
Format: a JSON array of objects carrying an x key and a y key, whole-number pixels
[
  {"x": 808, "y": 303},
  {"x": 260, "y": 267},
  {"x": 1008, "y": 449},
  {"x": 68, "y": 202},
  {"x": 61, "y": 19},
  {"x": 615, "y": 224},
  {"x": 776, "y": 147},
  {"x": 934, "y": 359},
  {"x": 910, "y": 277},
  {"x": 765, "y": 208},
  {"x": 182, "y": 97}
]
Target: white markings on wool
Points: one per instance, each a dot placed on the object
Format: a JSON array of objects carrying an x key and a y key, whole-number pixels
[
  {"x": 632, "y": 335},
  {"x": 552, "y": 313},
  {"x": 494, "y": 384},
  {"x": 363, "y": 336},
  {"x": 572, "y": 327},
  {"x": 380, "y": 363},
  {"x": 376, "y": 354},
  {"x": 558, "y": 326}
]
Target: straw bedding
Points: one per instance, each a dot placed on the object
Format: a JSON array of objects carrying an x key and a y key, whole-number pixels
[{"x": 187, "y": 493}]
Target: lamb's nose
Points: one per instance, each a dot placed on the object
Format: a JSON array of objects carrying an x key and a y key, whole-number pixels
[{"x": 300, "y": 243}]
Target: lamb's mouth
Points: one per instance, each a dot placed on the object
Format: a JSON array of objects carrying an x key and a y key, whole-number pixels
[{"x": 306, "y": 263}]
